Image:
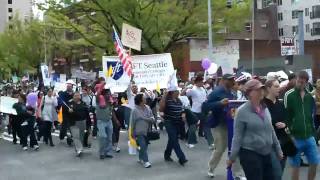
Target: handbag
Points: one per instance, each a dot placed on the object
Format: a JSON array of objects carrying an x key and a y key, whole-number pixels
[
  {"x": 287, "y": 145},
  {"x": 153, "y": 135}
]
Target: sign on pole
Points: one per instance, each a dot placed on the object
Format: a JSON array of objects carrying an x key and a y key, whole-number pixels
[
  {"x": 288, "y": 46},
  {"x": 149, "y": 71},
  {"x": 131, "y": 37},
  {"x": 45, "y": 75}
]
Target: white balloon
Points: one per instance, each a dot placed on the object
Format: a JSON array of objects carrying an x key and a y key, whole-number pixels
[{"x": 213, "y": 68}]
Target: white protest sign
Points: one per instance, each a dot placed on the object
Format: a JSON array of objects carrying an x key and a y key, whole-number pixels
[
  {"x": 6, "y": 104},
  {"x": 288, "y": 46},
  {"x": 63, "y": 78},
  {"x": 131, "y": 37},
  {"x": 148, "y": 70},
  {"x": 45, "y": 75},
  {"x": 101, "y": 74},
  {"x": 84, "y": 75},
  {"x": 59, "y": 86}
]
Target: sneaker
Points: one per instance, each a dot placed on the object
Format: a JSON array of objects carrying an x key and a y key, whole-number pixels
[
  {"x": 147, "y": 165},
  {"x": 36, "y": 147},
  {"x": 140, "y": 161},
  {"x": 211, "y": 147},
  {"x": 79, "y": 153},
  {"x": 211, "y": 174},
  {"x": 190, "y": 146},
  {"x": 25, "y": 148},
  {"x": 116, "y": 149}
]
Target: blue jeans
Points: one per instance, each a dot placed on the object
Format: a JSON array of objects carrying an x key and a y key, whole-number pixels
[
  {"x": 143, "y": 144},
  {"x": 206, "y": 129},
  {"x": 105, "y": 130},
  {"x": 192, "y": 136},
  {"x": 173, "y": 141},
  {"x": 276, "y": 166}
]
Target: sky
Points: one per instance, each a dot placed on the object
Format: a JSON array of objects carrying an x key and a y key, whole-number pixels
[{"x": 36, "y": 11}]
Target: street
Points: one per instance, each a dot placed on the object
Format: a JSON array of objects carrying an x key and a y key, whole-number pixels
[{"x": 60, "y": 163}]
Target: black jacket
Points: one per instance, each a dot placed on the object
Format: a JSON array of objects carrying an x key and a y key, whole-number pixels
[{"x": 80, "y": 112}]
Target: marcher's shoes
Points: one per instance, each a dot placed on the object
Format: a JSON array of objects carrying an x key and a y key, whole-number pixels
[
  {"x": 51, "y": 144},
  {"x": 25, "y": 148},
  {"x": 36, "y": 147},
  {"x": 211, "y": 147},
  {"x": 168, "y": 159},
  {"x": 79, "y": 153},
  {"x": 102, "y": 157},
  {"x": 211, "y": 174},
  {"x": 240, "y": 178},
  {"x": 14, "y": 141},
  {"x": 147, "y": 165},
  {"x": 190, "y": 146},
  {"x": 108, "y": 156},
  {"x": 183, "y": 162},
  {"x": 116, "y": 149}
]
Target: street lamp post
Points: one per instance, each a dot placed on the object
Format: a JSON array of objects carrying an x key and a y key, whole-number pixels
[{"x": 210, "y": 31}]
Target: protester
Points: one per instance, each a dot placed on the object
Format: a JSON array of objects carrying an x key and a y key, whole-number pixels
[
  {"x": 89, "y": 100},
  {"x": 104, "y": 123},
  {"x": 317, "y": 117},
  {"x": 64, "y": 98},
  {"x": 254, "y": 137},
  {"x": 216, "y": 103},
  {"x": 171, "y": 109},
  {"x": 79, "y": 113},
  {"x": 15, "y": 120},
  {"x": 141, "y": 122},
  {"x": 300, "y": 106},
  {"x": 278, "y": 117},
  {"x": 199, "y": 95},
  {"x": 116, "y": 128},
  {"x": 48, "y": 115},
  {"x": 27, "y": 120}
]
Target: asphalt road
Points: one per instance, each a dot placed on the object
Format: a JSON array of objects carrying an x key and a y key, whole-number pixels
[{"x": 60, "y": 163}]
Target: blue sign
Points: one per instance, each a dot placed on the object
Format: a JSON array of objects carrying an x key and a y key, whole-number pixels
[{"x": 117, "y": 69}]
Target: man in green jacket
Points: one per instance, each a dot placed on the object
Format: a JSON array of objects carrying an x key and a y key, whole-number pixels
[{"x": 300, "y": 107}]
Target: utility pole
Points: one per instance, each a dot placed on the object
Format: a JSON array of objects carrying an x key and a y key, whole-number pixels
[
  {"x": 252, "y": 38},
  {"x": 301, "y": 33},
  {"x": 210, "y": 51}
]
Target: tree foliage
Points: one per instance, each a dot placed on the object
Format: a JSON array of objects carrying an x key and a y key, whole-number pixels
[{"x": 163, "y": 22}]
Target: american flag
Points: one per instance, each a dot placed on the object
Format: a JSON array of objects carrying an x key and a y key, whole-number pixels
[{"x": 125, "y": 58}]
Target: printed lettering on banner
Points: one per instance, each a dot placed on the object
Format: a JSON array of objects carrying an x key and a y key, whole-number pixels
[{"x": 148, "y": 70}]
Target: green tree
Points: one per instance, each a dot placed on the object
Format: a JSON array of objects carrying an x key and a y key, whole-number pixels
[{"x": 163, "y": 22}]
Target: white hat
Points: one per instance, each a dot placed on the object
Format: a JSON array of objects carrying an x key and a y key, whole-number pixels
[
  {"x": 173, "y": 83},
  {"x": 70, "y": 82}
]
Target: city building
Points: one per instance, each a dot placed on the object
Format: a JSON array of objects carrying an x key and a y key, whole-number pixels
[
  {"x": 273, "y": 20},
  {"x": 10, "y": 8},
  {"x": 288, "y": 11}
]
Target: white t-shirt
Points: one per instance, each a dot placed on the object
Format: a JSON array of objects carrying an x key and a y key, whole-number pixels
[{"x": 198, "y": 96}]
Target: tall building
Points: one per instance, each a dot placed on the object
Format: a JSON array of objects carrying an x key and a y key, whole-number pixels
[
  {"x": 10, "y": 8},
  {"x": 288, "y": 12}
]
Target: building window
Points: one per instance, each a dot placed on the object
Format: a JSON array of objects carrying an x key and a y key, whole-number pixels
[
  {"x": 10, "y": 10},
  {"x": 295, "y": 30},
  {"x": 280, "y": 16},
  {"x": 307, "y": 28},
  {"x": 9, "y": 1},
  {"x": 295, "y": 14},
  {"x": 316, "y": 29},
  {"x": 307, "y": 12},
  {"x": 294, "y": 1},
  {"x": 248, "y": 26},
  {"x": 279, "y": 2},
  {"x": 281, "y": 32},
  {"x": 9, "y": 18},
  {"x": 315, "y": 12}
]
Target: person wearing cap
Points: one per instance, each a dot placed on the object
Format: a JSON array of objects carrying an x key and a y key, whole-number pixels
[
  {"x": 300, "y": 107},
  {"x": 198, "y": 95},
  {"x": 171, "y": 109},
  {"x": 254, "y": 138},
  {"x": 216, "y": 103}
]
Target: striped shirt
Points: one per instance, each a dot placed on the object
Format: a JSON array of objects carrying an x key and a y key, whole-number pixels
[{"x": 173, "y": 110}]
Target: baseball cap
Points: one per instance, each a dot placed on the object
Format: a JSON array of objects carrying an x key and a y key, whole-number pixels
[{"x": 253, "y": 84}]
